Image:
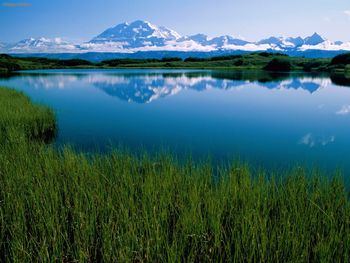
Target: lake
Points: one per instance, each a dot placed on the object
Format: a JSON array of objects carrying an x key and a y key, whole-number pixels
[{"x": 269, "y": 120}]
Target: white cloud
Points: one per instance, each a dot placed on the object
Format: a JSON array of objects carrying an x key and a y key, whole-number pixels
[
  {"x": 345, "y": 110},
  {"x": 347, "y": 13}
]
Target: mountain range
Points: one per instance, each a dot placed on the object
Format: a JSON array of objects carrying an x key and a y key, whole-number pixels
[{"x": 141, "y": 36}]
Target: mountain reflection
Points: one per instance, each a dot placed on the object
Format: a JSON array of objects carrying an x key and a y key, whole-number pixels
[{"x": 148, "y": 86}]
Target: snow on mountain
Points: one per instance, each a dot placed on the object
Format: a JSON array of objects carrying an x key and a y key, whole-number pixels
[
  {"x": 137, "y": 34},
  {"x": 271, "y": 41},
  {"x": 316, "y": 42},
  {"x": 223, "y": 41},
  {"x": 296, "y": 41},
  {"x": 144, "y": 36},
  {"x": 42, "y": 45},
  {"x": 327, "y": 46},
  {"x": 281, "y": 42},
  {"x": 291, "y": 42},
  {"x": 216, "y": 43},
  {"x": 251, "y": 47},
  {"x": 198, "y": 38}
]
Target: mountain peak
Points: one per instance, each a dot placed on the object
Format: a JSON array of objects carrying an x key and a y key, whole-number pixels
[
  {"x": 296, "y": 41},
  {"x": 137, "y": 34},
  {"x": 316, "y": 35},
  {"x": 272, "y": 40},
  {"x": 141, "y": 23},
  {"x": 313, "y": 40}
]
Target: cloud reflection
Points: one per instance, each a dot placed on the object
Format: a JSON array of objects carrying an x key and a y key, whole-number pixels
[
  {"x": 345, "y": 110},
  {"x": 312, "y": 140}
]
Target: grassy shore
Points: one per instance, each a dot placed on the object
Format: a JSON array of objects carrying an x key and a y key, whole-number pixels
[
  {"x": 61, "y": 206},
  {"x": 20, "y": 117}
]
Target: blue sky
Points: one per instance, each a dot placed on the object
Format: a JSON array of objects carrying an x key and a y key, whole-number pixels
[{"x": 80, "y": 20}]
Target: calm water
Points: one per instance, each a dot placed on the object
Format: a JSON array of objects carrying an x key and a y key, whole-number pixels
[{"x": 268, "y": 120}]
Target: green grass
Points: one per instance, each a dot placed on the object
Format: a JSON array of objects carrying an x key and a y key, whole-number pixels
[
  {"x": 18, "y": 115},
  {"x": 61, "y": 206}
]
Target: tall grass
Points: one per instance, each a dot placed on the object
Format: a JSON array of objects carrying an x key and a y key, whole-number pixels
[
  {"x": 19, "y": 115},
  {"x": 68, "y": 207}
]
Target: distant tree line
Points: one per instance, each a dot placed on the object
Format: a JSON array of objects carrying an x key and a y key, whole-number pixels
[{"x": 260, "y": 60}]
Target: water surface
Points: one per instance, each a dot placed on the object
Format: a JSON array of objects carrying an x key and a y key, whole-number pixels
[{"x": 268, "y": 120}]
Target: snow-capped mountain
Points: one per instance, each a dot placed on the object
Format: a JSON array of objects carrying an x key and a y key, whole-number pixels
[
  {"x": 314, "y": 40},
  {"x": 136, "y": 35},
  {"x": 42, "y": 45},
  {"x": 201, "y": 39},
  {"x": 223, "y": 41},
  {"x": 136, "y": 31},
  {"x": 293, "y": 43},
  {"x": 142, "y": 36},
  {"x": 327, "y": 46},
  {"x": 216, "y": 42},
  {"x": 296, "y": 41}
]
